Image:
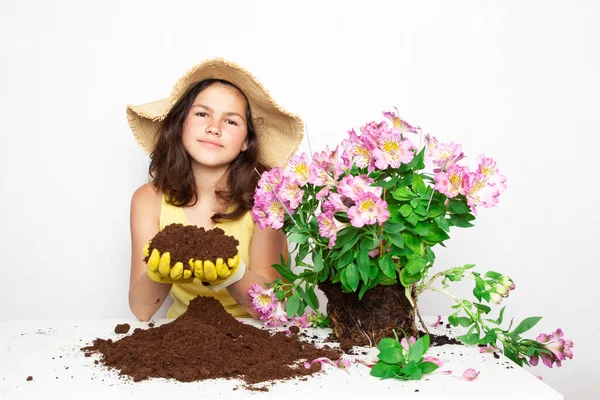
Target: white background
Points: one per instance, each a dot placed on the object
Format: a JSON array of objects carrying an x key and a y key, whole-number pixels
[{"x": 516, "y": 80}]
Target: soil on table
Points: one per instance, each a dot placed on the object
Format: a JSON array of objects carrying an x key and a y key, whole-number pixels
[
  {"x": 206, "y": 342},
  {"x": 185, "y": 242}
]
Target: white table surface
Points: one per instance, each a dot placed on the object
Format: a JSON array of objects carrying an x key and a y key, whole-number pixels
[{"x": 49, "y": 351}]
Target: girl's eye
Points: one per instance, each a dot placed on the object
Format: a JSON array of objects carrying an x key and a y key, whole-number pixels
[
  {"x": 231, "y": 122},
  {"x": 201, "y": 114}
]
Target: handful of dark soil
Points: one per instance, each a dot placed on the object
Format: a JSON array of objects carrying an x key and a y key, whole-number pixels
[
  {"x": 185, "y": 242},
  {"x": 206, "y": 342}
]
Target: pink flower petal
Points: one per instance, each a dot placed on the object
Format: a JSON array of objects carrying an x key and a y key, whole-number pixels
[
  {"x": 434, "y": 360},
  {"x": 437, "y": 322},
  {"x": 470, "y": 374}
]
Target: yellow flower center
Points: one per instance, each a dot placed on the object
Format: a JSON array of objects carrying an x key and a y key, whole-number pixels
[
  {"x": 263, "y": 299},
  {"x": 367, "y": 205},
  {"x": 390, "y": 147},
  {"x": 301, "y": 169}
]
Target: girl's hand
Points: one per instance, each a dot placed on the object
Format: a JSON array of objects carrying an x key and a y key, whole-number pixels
[{"x": 220, "y": 274}]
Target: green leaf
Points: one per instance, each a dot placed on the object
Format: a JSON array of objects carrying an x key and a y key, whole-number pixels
[
  {"x": 352, "y": 278},
  {"x": 482, "y": 307},
  {"x": 285, "y": 272},
  {"x": 412, "y": 219},
  {"x": 458, "y": 207},
  {"x": 403, "y": 193},
  {"x": 464, "y": 321},
  {"x": 493, "y": 275},
  {"x": 526, "y": 325},
  {"x": 500, "y": 318},
  {"x": 396, "y": 239},
  {"x": 414, "y": 203},
  {"x": 351, "y": 243},
  {"x": 292, "y": 304},
  {"x": 406, "y": 279},
  {"x": 453, "y": 320},
  {"x": 318, "y": 262},
  {"x": 406, "y": 210},
  {"x": 280, "y": 294},
  {"x": 313, "y": 299},
  {"x": 364, "y": 267},
  {"x": 388, "y": 342},
  {"x": 416, "y": 351},
  {"x": 421, "y": 229},
  {"x": 379, "y": 370},
  {"x": 419, "y": 185},
  {"x": 300, "y": 238},
  {"x": 413, "y": 243},
  {"x": 436, "y": 234},
  {"x": 345, "y": 259},
  {"x": 470, "y": 338},
  {"x": 427, "y": 367},
  {"x": 393, "y": 227},
  {"x": 442, "y": 222},
  {"x": 387, "y": 266},
  {"x": 462, "y": 220},
  {"x": 415, "y": 264},
  {"x": 436, "y": 209},
  {"x": 391, "y": 355}
]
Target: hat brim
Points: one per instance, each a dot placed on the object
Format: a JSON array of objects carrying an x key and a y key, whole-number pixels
[{"x": 279, "y": 131}]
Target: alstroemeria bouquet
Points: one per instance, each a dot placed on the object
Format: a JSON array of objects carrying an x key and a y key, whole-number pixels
[{"x": 369, "y": 213}]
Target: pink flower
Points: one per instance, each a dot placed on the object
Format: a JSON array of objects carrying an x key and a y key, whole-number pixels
[
  {"x": 359, "y": 150},
  {"x": 470, "y": 374},
  {"x": 368, "y": 210},
  {"x": 297, "y": 169},
  {"x": 353, "y": 187},
  {"x": 329, "y": 227},
  {"x": 399, "y": 124},
  {"x": 487, "y": 167},
  {"x": 265, "y": 301},
  {"x": 480, "y": 192},
  {"x": 276, "y": 317},
  {"x": 302, "y": 321},
  {"x": 334, "y": 203},
  {"x": 319, "y": 176},
  {"x": 291, "y": 193},
  {"x": 269, "y": 181},
  {"x": 560, "y": 349},
  {"x": 405, "y": 343},
  {"x": 452, "y": 182},
  {"x": 442, "y": 154},
  {"x": 254, "y": 291},
  {"x": 393, "y": 151},
  {"x": 275, "y": 211}
]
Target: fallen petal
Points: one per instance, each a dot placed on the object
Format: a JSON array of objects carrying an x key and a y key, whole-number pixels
[
  {"x": 470, "y": 374},
  {"x": 437, "y": 322},
  {"x": 434, "y": 360}
]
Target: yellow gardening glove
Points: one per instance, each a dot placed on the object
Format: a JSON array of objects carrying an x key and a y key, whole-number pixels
[
  {"x": 160, "y": 269},
  {"x": 219, "y": 274}
]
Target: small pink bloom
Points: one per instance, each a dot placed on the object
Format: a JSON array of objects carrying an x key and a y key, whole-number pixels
[
  {"x": 359, "y": 150},
  {"x": 393, "y": 151},
  {"x": 255, "y": 290},
  {"x": 329, "y": 227},
  {"x": 437, "y": 322},
  {"x": 265, "y": 301},
  {"x": 297, "y": 169},
  {"x": 453, "y": 182},
  {"x": 334, "y": 203},
  {"x": 480, "y": 192},
  {"x": 405, "y": 343},
  {"x": 368, "y": 210},
  {"x": 302, "y": 321},
  {"x": 319, "y": 176},
  {"x": 399, "y": 124},
  {"x": 470, "y": 374},
  {"x": 434, "y": 360},
  {"x": 559, "y": 347},
  {"x": 323, "y": 192},
  {"x": 487, "y": 167},
  {"x": 353, "y": 187},
  {"x": 291, "y": 193},
  {"x": 276, "y": 317},
  {"x": 270, "y": 181},
  {"x": 444, "y": 154}
]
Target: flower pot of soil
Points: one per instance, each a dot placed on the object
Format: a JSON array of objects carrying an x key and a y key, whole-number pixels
[{"x": 365, "y": 322}]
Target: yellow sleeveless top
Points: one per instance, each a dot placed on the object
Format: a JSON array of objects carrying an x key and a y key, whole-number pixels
[{"x": 241, "y": 229}]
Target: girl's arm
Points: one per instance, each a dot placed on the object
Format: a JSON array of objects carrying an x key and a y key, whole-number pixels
[
  {"x": 145, "y": 295},
  {"x": 265, "y": 249}
]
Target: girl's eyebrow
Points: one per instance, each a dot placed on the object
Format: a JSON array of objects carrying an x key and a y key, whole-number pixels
[{"x": 211, "y": 110}]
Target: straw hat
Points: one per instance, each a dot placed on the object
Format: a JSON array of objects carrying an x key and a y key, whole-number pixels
[{"x": 279, "y": 131}]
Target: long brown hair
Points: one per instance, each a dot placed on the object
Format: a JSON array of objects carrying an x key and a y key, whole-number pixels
[{"x": 171, "y": 166}]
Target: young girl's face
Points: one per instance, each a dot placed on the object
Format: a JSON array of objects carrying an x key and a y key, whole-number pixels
[{"x": 215, "y": 129}]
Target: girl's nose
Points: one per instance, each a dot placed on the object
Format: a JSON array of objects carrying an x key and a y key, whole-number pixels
[{"x": 213, "y": 129}]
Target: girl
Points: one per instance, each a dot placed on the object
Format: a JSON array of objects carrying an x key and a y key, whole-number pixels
[{"x": 205, "y": 142}]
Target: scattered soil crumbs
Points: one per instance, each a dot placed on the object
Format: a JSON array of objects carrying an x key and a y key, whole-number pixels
[{"x": 206, "y": 342}]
